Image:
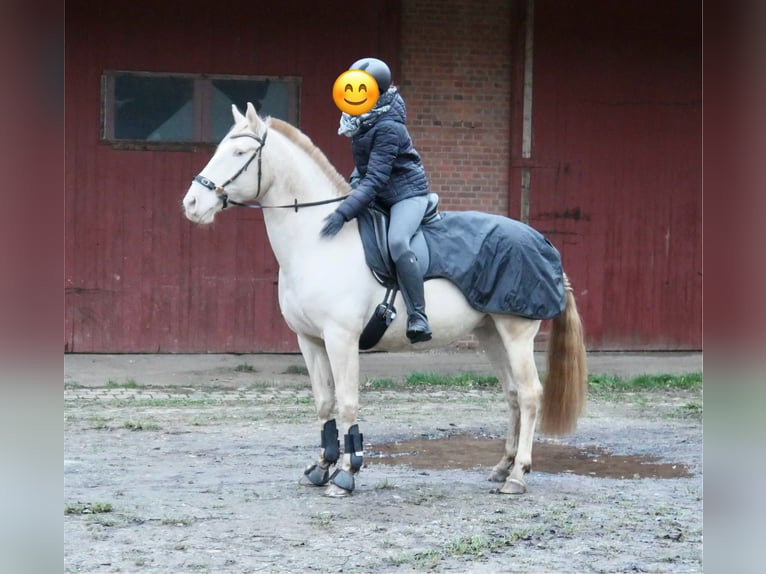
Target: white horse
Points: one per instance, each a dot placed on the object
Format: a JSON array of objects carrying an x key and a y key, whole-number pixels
[{"x": 327, "y": 294}]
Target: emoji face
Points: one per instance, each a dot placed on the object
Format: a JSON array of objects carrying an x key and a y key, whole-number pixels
[{"x": 355, "y": 92}]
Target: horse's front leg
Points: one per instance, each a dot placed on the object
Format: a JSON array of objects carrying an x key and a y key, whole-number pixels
[
  {"x": 343, "y": 351},
  {"x": 318, "y": 365}
]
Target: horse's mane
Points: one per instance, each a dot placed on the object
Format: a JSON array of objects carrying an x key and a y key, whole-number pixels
[{"x": 304, "y": 142}]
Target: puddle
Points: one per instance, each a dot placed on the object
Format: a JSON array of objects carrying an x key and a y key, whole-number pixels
[{"x": 467, "y": 452}]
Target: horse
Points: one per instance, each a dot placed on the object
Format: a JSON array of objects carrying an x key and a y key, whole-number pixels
[{"x": 327, "y": 292}]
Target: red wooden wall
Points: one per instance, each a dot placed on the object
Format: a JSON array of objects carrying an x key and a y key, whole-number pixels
[
  {"x": 616, "y": 164},
  {"x": 139, "y": 276}
]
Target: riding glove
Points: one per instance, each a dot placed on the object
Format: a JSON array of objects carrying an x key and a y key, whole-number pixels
[{"x": 333, "y": 223}]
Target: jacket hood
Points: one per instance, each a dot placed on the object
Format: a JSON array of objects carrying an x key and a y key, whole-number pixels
[{"x": 398, "y": 111}]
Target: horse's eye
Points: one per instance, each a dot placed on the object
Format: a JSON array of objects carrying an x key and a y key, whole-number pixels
[{"x": 239, "y": 152}]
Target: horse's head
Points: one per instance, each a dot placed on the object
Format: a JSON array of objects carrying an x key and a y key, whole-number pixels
[{"x": 234, "y": 173}]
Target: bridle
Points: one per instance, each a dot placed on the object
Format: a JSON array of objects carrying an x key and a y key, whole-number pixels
[{"x": 220, "y": 190}]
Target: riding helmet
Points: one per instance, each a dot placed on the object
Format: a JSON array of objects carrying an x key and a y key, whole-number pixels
[{"x": 378, "y": 69}]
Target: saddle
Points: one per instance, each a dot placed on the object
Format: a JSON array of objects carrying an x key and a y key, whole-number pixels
[
  {"x": 373, "y": 228},
  {"x": 378, "y": 255}
]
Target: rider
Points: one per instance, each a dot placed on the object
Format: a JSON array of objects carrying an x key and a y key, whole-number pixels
[{"x": 388, "y": 171}]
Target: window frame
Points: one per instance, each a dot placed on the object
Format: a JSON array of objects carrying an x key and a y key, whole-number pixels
[{"x": 201, "y": 108}]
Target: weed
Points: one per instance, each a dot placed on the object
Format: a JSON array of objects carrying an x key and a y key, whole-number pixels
[
  {"x": 322, "y": 519},
  {"x": 181, "y": 401},
  {"x": 127, "y": 384},
  {"x": 99, "y": 423},
  {"x": 177, "y": 521},
  {"x": 141, "y": 426},
  {"x": 380, "y": 384},
  {"x": 465, "y": 380},
  {"x": 245, "y": 368},
  {"x": 692, "y": 409},
  {"x": 87, "y": 508},
  {"x": 475, "y": 545},
  {"x": 296, "y": 370},
  {"x": 385, "y": 484},
  {"x": 425, "y": 560},
  {"x": 612, "y": 383}
]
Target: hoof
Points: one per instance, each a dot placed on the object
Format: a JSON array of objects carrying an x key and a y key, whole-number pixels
[
  {"x": 335, "y": 491},
  {"x": 513, "y": 486},
  {"x": 498, "y": 475}
]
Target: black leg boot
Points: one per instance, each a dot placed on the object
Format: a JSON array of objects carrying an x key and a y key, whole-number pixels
[{"x": 411, "y": 286}]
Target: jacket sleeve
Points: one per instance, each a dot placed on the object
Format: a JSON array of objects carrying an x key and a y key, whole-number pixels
[
  {"x": 353, "y": 180},
  {"x": 385, "y": 148}
]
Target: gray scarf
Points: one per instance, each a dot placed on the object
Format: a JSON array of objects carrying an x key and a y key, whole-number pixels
[{"x": 351, "y": 125}]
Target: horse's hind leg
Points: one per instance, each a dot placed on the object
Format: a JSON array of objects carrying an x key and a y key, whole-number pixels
[
  {"x": 318, "y": 365},
  {"x": 518, "y": 335},
  {"x": 493, "y": 346}
]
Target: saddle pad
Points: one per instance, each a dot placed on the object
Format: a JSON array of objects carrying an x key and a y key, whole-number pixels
[{"x": 501, "y": 265}]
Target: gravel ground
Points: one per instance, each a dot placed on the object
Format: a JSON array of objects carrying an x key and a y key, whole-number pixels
[{"x": 200, "y": 473}]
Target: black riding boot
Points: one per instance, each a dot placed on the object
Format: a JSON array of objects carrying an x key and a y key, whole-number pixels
[{"x": 411, "y": 286}]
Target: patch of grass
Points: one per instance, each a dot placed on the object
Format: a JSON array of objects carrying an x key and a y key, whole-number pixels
[
  {"x": 87, "y": 508},
  {"x": 426, "y": 560},
  {"x": 380, "y": 384},
  {"x": 692, "y": 409},
  {"x": 99, "y": 423},
  {"x": 464, "y": 380},
  {"x": 141, "y": 426},
  {"x": 613, "y": 383},
  {"x": 181, "y": 401},
  {"x": 129, "y": 383},
  {"x": 245, "y": 368},
  {"x": 385, "y": 484},
  {"x": 177, "y": 521},
  {"x": 296, "y": 370},
  {"x": 479, "y": 545},
  {"x": 475, "y": 545}
]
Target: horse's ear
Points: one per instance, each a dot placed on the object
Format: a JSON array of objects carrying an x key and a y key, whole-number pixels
[
  {"x": 238, "y": 117},
  {"x": 256, "y": 123}
]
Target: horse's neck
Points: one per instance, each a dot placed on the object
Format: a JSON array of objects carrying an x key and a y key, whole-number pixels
[{"x": 296, "y": 177}]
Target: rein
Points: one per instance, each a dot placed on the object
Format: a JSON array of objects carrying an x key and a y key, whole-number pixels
[{"x": 224, "y": 197}]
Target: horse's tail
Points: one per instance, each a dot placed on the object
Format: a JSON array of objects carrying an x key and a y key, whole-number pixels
[{"x": 566, "y": 384}]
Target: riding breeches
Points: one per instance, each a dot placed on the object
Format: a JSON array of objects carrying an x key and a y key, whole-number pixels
[{"x": 404, "y": 220}]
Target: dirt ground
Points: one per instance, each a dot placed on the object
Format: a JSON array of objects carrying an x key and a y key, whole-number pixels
[{"x": 191, "y": 463}]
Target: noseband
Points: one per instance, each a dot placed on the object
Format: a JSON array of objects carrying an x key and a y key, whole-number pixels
[{"x": 220, "y": 190}]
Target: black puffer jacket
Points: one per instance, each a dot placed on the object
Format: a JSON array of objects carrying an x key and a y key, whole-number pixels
[{"x": 388, "y": 166}]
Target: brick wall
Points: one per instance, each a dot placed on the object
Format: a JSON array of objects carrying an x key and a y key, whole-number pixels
[{"x": 457, "y": 88}]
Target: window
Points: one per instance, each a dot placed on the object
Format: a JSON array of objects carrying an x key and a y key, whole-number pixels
[{"x": 146, "y": 110}]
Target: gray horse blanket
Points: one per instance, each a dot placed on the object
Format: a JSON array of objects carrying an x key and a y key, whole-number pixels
[{"x": 501, "y": 265}]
